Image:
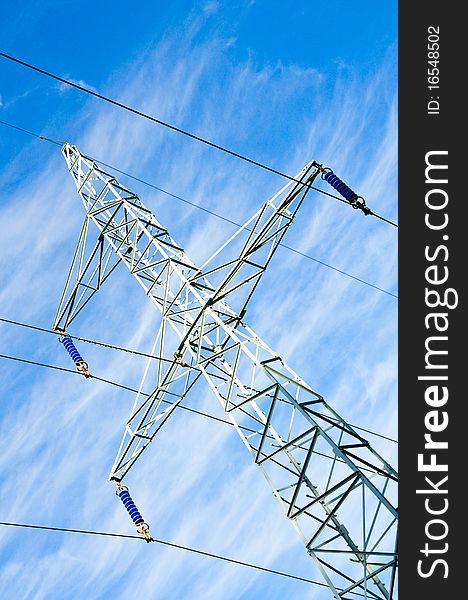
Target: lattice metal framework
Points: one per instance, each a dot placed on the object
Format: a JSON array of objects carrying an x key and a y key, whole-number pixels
[{"x": 338, "y": 492}]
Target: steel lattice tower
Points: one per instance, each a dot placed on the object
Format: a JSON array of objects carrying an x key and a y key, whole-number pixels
[{"x": 337, "y": 491}]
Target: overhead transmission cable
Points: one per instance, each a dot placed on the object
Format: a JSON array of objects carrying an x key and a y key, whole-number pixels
[
  {"x": 130, "y": 389},
  {"x": 86, "y": 340},
  {"x": 181, "y": 131},
  {"x": 197, "y": 206},
  {"x": 179, "y": 406},
  {"x": 113, "y": 383},
  {"x": 165, "y": 543},
  {"x": 235, "y": 561}
]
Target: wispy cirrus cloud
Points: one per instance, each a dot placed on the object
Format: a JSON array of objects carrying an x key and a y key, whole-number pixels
[
  {"x": 195, "y": 483},
  {"x": 63, "y": 87}
]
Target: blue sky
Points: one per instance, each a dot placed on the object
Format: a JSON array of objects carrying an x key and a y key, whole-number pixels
[{"x": 281, "y": 83}]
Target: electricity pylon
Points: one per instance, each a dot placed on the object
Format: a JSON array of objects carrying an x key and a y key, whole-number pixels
[{"x": 338, "y": 492}]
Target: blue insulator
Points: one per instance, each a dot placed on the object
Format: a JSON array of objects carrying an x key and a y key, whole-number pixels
[
  {"x": 130, "y": 506},
  {"x": 340, "y": 186},
  {"x": 71, "y": 349}
]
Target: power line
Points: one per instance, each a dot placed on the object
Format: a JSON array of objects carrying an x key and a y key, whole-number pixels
[
  {"x": 206, "y": 210},
  {"x": 172, "y": 545},
  {"x": 130, "y": 389},
  {"x": 115, "y": 384},
  {"x": 165, "y": 543},
  {"x": 87, "y": 340},
  {"x": 131, "y": 351},
  {"x": 37, "y": 135},
  {"x": 57, "y": 368},
  {"x": 178, "y": 130},
  {"x": 181, "y": 406}
]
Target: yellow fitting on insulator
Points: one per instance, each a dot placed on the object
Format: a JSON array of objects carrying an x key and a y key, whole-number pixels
[
  {"x": 83, "y": 368},
  {"x": 144, "y": 530}
]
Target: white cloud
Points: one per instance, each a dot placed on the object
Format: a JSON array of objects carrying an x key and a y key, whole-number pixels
[
  {"x": 64, "y": 87},
  {"x": 195, "y": 483},
  {"x": 210, "y": 8}
]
